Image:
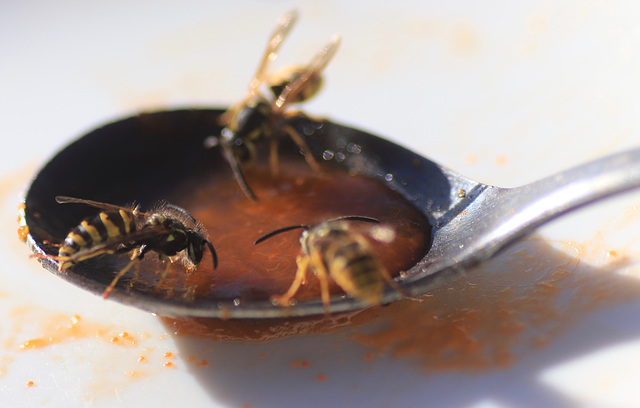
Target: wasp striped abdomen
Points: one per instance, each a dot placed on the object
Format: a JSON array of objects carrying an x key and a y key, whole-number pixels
[
  {"x": 92, "y": 236},
  {"x": 352, "y": 264}
]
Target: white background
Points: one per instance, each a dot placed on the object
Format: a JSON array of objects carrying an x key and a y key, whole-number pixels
[{"x": 504, "y": 92}]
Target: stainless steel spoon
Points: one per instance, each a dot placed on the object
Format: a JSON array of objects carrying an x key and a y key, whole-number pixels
[{"x": 471, "y": 221}]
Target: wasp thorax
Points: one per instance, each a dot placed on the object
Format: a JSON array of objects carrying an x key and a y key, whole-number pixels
[
  {"x": 156, "y": 219},
  {"x": 251, "y": 120}
]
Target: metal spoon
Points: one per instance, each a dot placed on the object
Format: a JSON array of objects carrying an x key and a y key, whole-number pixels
[{"x": 471, "y": 221}]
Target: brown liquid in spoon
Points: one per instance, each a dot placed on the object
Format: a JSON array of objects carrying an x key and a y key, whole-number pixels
[{"x": 297, "y": 195}]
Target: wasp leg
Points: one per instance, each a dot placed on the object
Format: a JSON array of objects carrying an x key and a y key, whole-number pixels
[
  {"x": 302, "y": 145},
  {"x": 190, "y": 293},
  {"x": 136, "y": 273},
  {"x": 323, "y": 278},
  {"x": 47, "y": 242},
  {"x": 300, "y": 279},
  {"x": 52, "y": 257},
  {"x": 64, "y": 262},
  {"x": 164, "y": 275},
  {"x": 237, "y": 172},
  {"x": 273, "y": 157},
  {"x": 387, "y": 277},
  {"x": 120, "y": 274}
]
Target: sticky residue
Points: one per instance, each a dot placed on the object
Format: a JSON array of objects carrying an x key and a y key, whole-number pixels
[
  {"x": 537, "y": 23},
  {"x": 123, "y": 339},
  {"x": 299, "y": 363},
  {"x": 493, "y": 316},
  {"x": 465, "y": 39},
  {"x": 501, "y": 160},
  {"x": 59, "y": 329},
  {"x": 23, "y": 233},
  {"x": 250, "y": 330}
]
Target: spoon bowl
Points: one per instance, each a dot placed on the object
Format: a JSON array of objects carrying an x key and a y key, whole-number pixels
[{"x": 142, "y": 157}]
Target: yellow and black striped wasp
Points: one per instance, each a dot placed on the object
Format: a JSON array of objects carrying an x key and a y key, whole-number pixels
[
  {"x": 335, "y": 250},
  {"x": 257, "y": 117},
  {"x": 117, "y": 229}
]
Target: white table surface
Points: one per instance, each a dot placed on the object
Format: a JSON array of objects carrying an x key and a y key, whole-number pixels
[{"x": 504, "y": 92}]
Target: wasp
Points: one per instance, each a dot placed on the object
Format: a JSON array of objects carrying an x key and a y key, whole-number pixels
[
  {"x": 117, "y": 229},
  {"x": 257, "y": 117},
  {"x": 333, "y": 249}
]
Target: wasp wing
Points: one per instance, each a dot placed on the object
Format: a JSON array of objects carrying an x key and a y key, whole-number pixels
[
  {"x": 317, "y": 64},
  {"x": 98, "y": 204},
  {"x": 281, "y": 31},
  {"x": 121, "y": 243},
  {"x": 278, "y": 35}
]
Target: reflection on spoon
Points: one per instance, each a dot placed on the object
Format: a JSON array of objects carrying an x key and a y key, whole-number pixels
[{"x": 465, "y": 222}]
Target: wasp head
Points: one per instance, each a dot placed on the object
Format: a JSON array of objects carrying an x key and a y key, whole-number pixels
[{"x": 195, "y": 248}]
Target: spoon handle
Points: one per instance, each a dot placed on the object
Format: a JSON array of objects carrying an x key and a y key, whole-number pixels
[
  {"x": 517, "y": 211},
  {"x": 496, "y": 217},
  {"x": 546, "y": 199}
]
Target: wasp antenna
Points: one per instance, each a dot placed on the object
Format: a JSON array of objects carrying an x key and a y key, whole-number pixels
[
  {"x": 213, "y": 253},
  {"x": 278, "y": 231},
  {"x": 356, "y": 218},
  {"x": 183, "y": 212}
]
